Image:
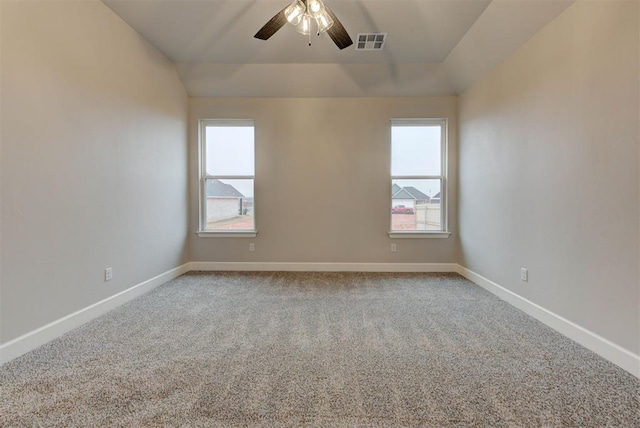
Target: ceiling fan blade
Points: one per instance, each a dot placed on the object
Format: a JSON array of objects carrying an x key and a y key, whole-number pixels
[
  {"x": 337, "y": 32},
  {"x": 274, "y": 24}
]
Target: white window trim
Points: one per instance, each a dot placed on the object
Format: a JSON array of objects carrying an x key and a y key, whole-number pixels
[
  {"x": 202, "y": 177},
  {"x": 444, "y": 194},
  {"x": 416, "y": 234},
  {"x": 230, "y": 234}
]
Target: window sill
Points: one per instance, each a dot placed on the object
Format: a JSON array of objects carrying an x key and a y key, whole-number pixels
[
  {"x": 419, "y": 235},
  {"x": 230, "y": 234}
]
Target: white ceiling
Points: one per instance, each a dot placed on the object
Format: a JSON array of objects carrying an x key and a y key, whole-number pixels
[{"x": 434, "y": 47}]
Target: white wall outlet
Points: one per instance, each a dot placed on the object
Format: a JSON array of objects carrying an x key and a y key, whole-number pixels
[
  {"x": 252, "y": 247},
  {"x": 108, "y": 274},
  {"x": 524, "y": 274},
  {"x": 394, "y": 248}
]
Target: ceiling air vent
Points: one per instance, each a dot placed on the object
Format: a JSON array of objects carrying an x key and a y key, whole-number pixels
[{"x": 371, "y": 41}]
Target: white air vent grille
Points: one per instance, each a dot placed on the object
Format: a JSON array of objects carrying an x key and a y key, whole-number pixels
[{"x": 370, "y": 41}]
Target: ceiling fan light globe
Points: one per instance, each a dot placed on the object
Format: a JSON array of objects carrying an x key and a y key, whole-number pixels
[
  {"x": 295, "y": 21},
  {"x": 315, "y": 8},
  {"x": 294, "y": 12},
  {"x": 304, "y": 27},
  {"x": 324, "y": 22}
]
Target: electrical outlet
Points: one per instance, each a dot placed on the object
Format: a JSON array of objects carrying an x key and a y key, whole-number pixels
[
  {"x": 252, "y": 247},
  {"x": 394, "y": 248},
  {"x": 108, "y": 274},
  {"x": 524, "y": 275}
]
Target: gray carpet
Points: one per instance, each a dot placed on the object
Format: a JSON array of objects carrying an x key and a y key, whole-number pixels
[{"x": 316, "y": 349}]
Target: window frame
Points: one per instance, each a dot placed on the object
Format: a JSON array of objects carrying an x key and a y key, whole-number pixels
[
  {"x": 203, "y": 232},
  {"x": 443, "y": 177}
]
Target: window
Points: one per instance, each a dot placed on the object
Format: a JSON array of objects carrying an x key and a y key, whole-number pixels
[
  {"x": 418, "y": 177},
  {"x": 227, "y": 168}
]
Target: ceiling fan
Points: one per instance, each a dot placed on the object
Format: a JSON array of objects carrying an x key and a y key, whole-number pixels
[{"x": 302, "y": 14}]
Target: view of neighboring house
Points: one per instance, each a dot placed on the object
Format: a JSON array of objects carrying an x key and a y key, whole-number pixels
[
  {"x": 422, "y": 212},
  {"x": 223, "y": 201},
  {"x": 408, "y": 196}
]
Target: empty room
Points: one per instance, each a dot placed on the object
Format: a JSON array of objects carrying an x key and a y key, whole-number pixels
[{"x": 320, "y": 213}]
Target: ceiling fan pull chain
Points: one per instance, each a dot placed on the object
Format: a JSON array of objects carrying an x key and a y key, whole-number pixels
[{"x": 309, "y": 37}]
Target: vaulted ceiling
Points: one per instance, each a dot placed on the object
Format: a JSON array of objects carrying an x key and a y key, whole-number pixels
[{"x": 434, "y": 47}]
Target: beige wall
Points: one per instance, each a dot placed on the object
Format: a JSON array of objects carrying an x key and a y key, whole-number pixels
[
  {"x": 1, "y": 237},
  {"x": 94, "y": 160},
  {"x": 322, "y": 180},
  {"x": 549, "y": 170}
]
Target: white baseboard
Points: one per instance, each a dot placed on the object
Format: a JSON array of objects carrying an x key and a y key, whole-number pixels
[
  {"x": 598, "y": 344},
  {"x": 601, "y": 346},
  {"x": 323, "y": 267},
  {"x": 29, "y": 341}
]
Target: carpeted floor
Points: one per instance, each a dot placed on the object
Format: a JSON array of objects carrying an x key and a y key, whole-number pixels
[{"x": 316, "y": 349}]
